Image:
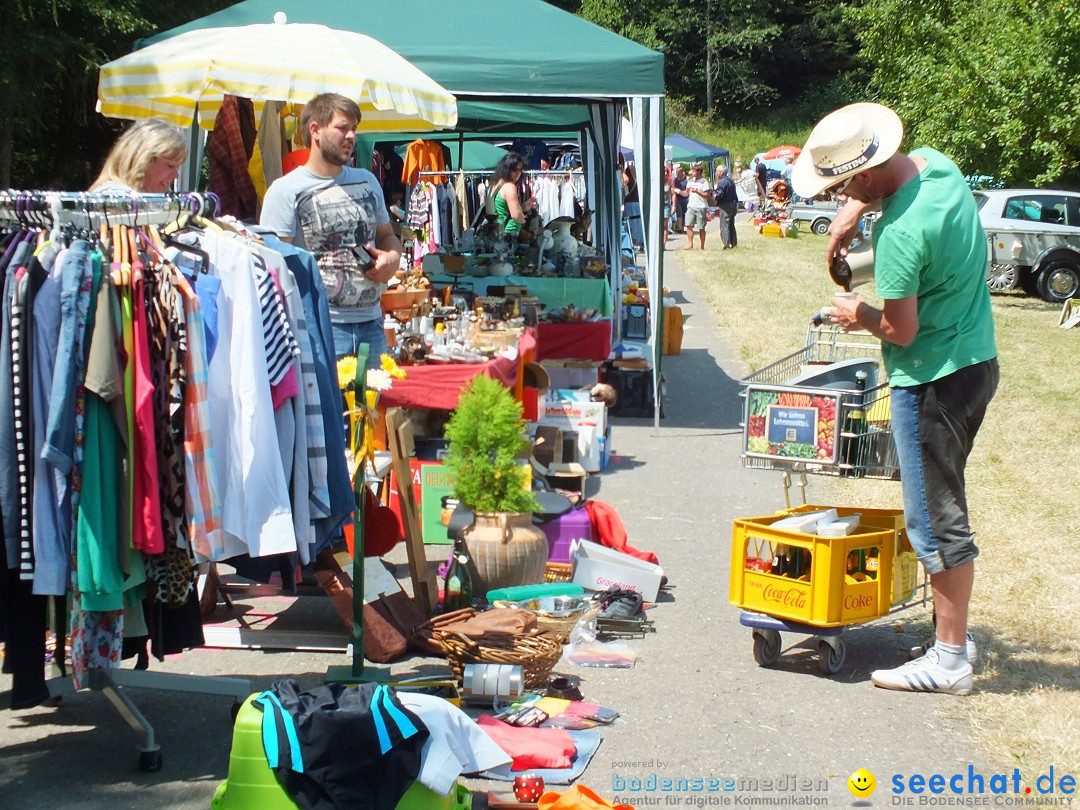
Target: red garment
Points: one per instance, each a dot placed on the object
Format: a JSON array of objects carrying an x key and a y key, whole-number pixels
[
  {"x": 148, "y": 533},
  {"x": 530, "y": 747},
  {"x": 608, "y": 530},
  {"x": 229, "y": 177}
]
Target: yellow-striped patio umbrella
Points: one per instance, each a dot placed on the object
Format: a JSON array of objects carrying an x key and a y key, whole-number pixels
[{"x": 276, "y": 62}]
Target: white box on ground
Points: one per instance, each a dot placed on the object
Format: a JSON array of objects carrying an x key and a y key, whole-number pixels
[{"x": 597, "y": 568}]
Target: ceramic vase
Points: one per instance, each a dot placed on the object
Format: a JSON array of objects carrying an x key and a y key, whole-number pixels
[{"x": 507, "y": 550}]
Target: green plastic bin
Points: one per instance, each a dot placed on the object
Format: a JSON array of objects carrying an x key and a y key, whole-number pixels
[{"x": 252, "y": 785}]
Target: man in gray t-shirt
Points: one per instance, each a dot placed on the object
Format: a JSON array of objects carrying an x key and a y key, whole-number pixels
[{"x": 330, "y": 209}]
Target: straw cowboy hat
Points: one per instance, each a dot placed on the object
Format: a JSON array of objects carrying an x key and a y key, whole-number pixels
[{"x": 846, "y": 142}]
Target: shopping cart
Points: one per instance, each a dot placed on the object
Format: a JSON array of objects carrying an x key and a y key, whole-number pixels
[
  {"x": 812, "y": 397},
  {"x": 823, "y": 410}
]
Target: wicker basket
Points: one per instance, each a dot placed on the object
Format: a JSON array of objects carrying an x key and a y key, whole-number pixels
[
  {"x": 555, "y": 624},
  {"x": 536, "y": 653},
  {"x": 425, "y": 636}
]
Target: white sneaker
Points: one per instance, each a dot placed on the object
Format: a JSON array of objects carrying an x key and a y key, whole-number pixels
[
  {"x": 925, "y": 675},
  {"x": 921, "y": 650}
]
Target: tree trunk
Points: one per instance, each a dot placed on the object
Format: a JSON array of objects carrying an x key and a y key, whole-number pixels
[
  {"x": 7, "y": 93},
  {"x": 708, "y": 59}
]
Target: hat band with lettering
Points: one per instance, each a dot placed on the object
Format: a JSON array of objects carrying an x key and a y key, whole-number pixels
[{"x": 864, "y": 158}]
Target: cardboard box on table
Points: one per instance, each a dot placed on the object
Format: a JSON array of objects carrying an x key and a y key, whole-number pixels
[
  {"x": 573, "y": 410},
  {"x": 598, "y": 568}
]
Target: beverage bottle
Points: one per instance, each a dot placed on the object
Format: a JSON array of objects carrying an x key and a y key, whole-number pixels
[
  {"x": 458, "y": 586},
  {"x": 780, "y": 561},
  {"x": 856, "y": 425},
  {"x": 872, "y": 563}
]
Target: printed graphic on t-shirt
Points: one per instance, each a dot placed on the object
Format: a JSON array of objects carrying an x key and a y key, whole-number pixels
[{"x": 333, "y": 221}]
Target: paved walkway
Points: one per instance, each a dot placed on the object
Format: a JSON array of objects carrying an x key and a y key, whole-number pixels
[{"x": 696, "y": 706}]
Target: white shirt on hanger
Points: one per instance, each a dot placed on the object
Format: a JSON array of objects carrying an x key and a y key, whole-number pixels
[{"x": 256, "y": 511}]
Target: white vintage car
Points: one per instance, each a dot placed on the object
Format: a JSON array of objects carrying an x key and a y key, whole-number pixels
[{"x": 1034, "y": 237}]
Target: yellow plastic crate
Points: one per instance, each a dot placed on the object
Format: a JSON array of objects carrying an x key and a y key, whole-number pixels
[{"x": 828, "y": 597}]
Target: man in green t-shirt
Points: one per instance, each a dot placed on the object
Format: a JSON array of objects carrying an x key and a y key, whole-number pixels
[{"x": 937, "y": 343}]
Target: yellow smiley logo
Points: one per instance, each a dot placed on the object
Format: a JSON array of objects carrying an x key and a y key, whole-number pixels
[{"x": 861, "y": 783}]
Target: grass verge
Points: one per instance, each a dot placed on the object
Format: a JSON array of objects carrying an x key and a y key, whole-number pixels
[{"x": 1023, "y": 481}]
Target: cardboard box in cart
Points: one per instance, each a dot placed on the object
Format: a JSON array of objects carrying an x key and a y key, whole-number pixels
[{"x": 597, "y": 568}]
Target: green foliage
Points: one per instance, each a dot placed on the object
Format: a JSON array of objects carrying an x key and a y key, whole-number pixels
[
  {"x": 487, "y": 446},
  {"x": 50, "y": 135},
  {"x": 993, "y": 85},
  {"x": 758, "y": 54},
  {"x": 743, "y": 140}
]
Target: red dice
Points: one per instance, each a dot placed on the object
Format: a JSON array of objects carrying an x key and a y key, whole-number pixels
[{"x": 528, "y": 787}]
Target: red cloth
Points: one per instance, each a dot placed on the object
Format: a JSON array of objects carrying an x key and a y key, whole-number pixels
[
  {"x": 229, "y": 177},
  {"x": 608, "y": 530},
  {"x": 440, "y": 385},
  {"x": 530, "y": 747},
  {"x": 574, "y": 341}
]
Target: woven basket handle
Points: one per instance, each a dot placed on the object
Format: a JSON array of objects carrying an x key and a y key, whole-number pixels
[{"x": 472, "y": 646}]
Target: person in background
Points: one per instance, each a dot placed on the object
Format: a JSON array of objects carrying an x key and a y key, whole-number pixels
[
  {"x": 727, "y": 200},
  {"x": 680, "y": 197},
  {"x": 937, "y": 343},
  {"x": 338, "y": 213},
  {"x": 699, "y": 196},
  {"x": 785, "y": 174},
  {"x": 632, "y": 206},
  {"x": 146, "y": 157},
  {"x": 761, "y": 173},
  {"x": 503, "y": 197},
  {"x": 665, "y": 207},
  {"x": 748, "y": 183}
]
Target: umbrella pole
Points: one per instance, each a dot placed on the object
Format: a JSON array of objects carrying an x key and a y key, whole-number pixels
[{"x": 189, "y": 175}]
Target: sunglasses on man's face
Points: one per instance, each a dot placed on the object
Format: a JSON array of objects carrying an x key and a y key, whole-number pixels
[{"x": 842, "y": 188}]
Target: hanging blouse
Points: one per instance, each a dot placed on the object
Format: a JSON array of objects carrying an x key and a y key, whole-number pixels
[{"x": 256, "y": 513}]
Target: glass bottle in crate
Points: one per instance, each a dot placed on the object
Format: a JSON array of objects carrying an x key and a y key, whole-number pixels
[{"x": 458, "y": 585}]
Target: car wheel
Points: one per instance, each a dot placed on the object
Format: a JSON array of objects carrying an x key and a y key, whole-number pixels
[
  {"x": 1026, "y": 280},
  {"x": 820, "y": 225},
  {"x": 1001, "y": 277},
  {"x": 1058, "y": 281}
]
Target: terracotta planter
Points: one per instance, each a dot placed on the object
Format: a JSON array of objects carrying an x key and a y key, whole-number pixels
[{"x": 507, "y": 550}]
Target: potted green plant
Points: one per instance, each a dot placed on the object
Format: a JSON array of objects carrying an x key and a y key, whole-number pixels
[{"x": 486, "y": 456}]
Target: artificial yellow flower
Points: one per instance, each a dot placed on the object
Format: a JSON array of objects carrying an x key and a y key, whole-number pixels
[
  {"x": 346, "y": 372},
  {"x": 391, "y": 367}
]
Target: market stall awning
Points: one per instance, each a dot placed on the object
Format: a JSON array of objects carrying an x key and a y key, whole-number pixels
[
  {"x": 685, "y": 149},
  {"x": 280, "y": 62},
  {"x": 567, "y": 56}
]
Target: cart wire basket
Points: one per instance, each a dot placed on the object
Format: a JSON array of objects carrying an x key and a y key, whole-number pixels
[{"x": 806, "y": 413}]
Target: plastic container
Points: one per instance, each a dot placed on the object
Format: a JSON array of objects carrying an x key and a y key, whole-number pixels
[
  {"x": 252, "y": 785},
  {"x": 519, "y": 592},
  {"x": 563, "y": 530},
  {"x": 905, "y": 577},
  {"x": 830, "y": 596}
]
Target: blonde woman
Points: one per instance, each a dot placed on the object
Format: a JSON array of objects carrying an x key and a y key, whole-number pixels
[{"x": 147, "y": 157}]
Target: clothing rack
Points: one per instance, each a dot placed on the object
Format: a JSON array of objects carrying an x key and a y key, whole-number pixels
[
  {"x": 94, "y": 208},
  {"x": 40, "y": 209},
  {"x": 487, "y": 173}
]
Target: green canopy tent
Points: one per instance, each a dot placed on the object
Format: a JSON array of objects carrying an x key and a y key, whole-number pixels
[
  {"x": 681, "y": 149},
  {"x": 578, "y": 78},
  {"x": 475, "y": 155}
]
